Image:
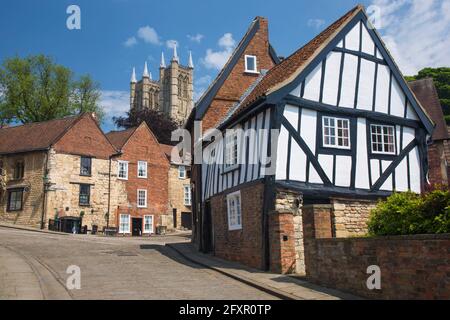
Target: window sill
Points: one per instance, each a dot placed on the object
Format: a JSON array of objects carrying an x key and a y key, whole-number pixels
[
  {"x": 235, "y": 228},
  {"x": 254, "y": 73},
  {"x": 18, "y": 210},
  {"x": 86, "y": 175}
]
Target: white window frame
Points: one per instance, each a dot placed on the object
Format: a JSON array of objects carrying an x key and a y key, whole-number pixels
[
  {"x": 145, "y": 164},
  {"x": 234, "y": 206},
  {"x": 120, "y": 162},
  {"x": 153, "y": 224},
  {"x": 382, "y": 139},
  {"x": 137, "y": 199},
  {"x": 336, "y": 136},
  {"x": 121, "y": 230},
  {"x": 187, "y": 200},
  {"x": 231, "y": 154},
  {"x": 247, "y": 56},
  {"x": 182, "y": 172}
]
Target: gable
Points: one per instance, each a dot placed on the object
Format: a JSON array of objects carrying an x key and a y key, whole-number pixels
[
  {"x": 233, "y": 81},
  {"x": 355, "y": 71},
  {"x": 85, "y": 138}
]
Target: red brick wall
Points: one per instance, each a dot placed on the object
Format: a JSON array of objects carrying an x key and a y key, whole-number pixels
[
  {"x": 412, "y": 267},
  {"x": 244, "y": 246},
  {"x": 143, "y": 146},
  {"x": 85, "y": 138},
  {"x": 238, "y": 81},
  {"x": 437, "y": 168}
]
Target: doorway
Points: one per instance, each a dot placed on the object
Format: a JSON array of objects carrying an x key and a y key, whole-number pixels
[
  {"x": 186, "y": 220},
  {"x": 136, "y": 224},
  {"x": 207, "y": 246},
  {"x": 174, "y": 213}
]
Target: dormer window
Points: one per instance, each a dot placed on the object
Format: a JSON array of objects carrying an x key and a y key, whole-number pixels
[{"x": 250, "y": 64}]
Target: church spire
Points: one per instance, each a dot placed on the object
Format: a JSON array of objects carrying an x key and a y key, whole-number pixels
[
  {"x": 145, "y": 74},
  {"x": 163, "y": 61},
  {"x": 133, "y": 76},
  {"x": 175, "y": 54},
  {"x": 191, "y": 62}
]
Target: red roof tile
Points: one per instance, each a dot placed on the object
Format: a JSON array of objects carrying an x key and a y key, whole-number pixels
[
  {"x": 119, "y": 138},
  {"x": 290, "y": 65},
  {"x": 34, "y": 136}
]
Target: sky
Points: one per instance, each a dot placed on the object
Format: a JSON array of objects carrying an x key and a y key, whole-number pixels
[{"x": 117, "y": 35}]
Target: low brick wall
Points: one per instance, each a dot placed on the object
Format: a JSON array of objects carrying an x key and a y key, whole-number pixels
[{"x": 412, "y": 267}]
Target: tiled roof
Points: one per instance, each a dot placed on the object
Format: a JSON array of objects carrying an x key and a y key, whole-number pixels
[
  {"x": 119, "y": 138},
  {"x": 426, "y": 93},
  {"x": 291, "y": 65},
  {"x": 167, "y": 149},
  {"x": 34, "y": 136}
]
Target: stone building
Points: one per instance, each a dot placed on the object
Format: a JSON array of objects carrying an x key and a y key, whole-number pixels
[
  {"x": 180, "y": 195},
  {"x": 143, "y": 167},
  {"x": 439, "y": 148},
  {"x": 171, "y": 94},
  {"x": 59, "y": 170}
]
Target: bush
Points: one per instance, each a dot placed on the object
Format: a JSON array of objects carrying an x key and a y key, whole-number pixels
[{"x": 409, "y": 213}]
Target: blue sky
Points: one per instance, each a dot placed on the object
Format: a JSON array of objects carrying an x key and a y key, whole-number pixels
[{"x": 116, "y": 35}]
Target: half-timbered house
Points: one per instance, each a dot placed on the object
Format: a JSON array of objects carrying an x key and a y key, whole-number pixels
[{"x": 342, "y": 129}]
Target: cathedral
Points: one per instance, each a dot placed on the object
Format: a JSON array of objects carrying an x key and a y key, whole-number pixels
[{"x": 171, "y": 94}]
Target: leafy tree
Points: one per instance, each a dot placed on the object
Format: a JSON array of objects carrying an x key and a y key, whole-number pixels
[
  {"x": 37, "y": 89},
  {"x": 160, "y": 124},
  {"x": 441, "y": 78}
]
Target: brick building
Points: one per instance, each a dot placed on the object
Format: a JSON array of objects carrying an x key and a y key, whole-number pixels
[
  {"x": 58, "y": 169},
  {"x": 180, "y": 199},
  {"x": 143, "y": 167},
  {"x": 439, "y": 148},
  {"x": 308, "y": 145}
]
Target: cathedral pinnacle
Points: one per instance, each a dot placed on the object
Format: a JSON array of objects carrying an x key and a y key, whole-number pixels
[
  {"x": 145, "y": 74},
  {"x": 133, "y": 76}
]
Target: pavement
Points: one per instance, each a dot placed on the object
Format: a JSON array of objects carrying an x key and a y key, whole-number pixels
[{"x": 34, "y": 263}]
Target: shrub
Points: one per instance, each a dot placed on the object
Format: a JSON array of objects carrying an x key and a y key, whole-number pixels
[{"x": 409, "y": 213}]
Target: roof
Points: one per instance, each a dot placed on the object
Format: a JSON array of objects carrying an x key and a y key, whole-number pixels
[
  {"x": 119, "y": 138},
  {"x": 167, "y": 149},
  {"x": 289, "y": 66},
  {"x": 426, "y": 93},
  {"x": 205, "y": 100},
  {"x": 35, "y": 136}
]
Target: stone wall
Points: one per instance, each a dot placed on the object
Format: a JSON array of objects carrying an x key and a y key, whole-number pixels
[
  {"x": 176, "y": 196},
  {"x": 412, "y": 267},
  {"x": 63, "y": 194},
  {"x": 349, "y": 216},
  {"x": 33, "y": 184}
]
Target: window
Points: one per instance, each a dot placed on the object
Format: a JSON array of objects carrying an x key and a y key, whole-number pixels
[
  {"x": 181, "y": 172},
  {"x": 85, "y": 166},
  {"x": 382, "y": 139},
  {"x": 231, "y": 150},
  {"x": 123, "y": 170},
  {"x": 124, "y": 223},
  {"x": 187, "y": 195},
  {"x": 85, "y": 194},
  {"x": 142, "y": 198},
  {"x": 142, "y": 169},
  {"x": 19, "y": 170},
  {"x": 148, "y": 224},
  {"x": 234, "y": 211},
  {"x": 250, "y": 64},
  {"x": 15, "y": 200},
  {"x": 336, "y": 133}
]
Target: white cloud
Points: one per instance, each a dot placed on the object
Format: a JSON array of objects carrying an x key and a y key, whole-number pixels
[
  {"x": 416, "y": 32},
  {"x": 149, "y": 35},
  {"x": 130, "y": 42},
  {"x": 171, "y": 44},
  {"x": 200, "y": 85},
  {"x": 197, "y": 38},
  {"x": 217, "y": 59},
  {"x": 115, "y": 104},
  {"x": 316, "y": 23}
]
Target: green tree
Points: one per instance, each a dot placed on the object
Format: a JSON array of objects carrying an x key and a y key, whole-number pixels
[
  {"x": 441, "y": 79},
  {"x": 160, "y": 124},
  {"x": 35, "y": 88}
]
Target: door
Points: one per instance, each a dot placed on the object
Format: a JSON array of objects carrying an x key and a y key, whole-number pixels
[
  {"x": 136, "y": 227},
  {"x": 174, "y": 213},
  {"x": 186, "y": 220},
  {"x": 207, "y": 229}
]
